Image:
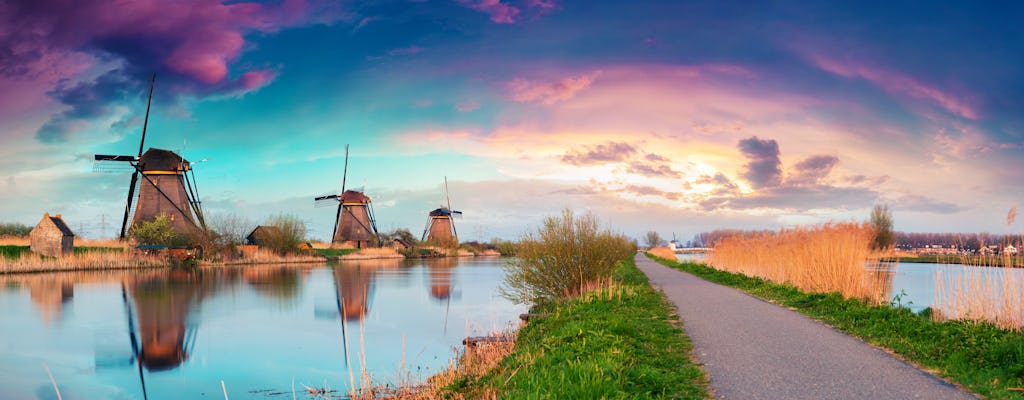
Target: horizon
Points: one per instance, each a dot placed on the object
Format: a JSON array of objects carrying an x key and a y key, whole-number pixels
[{"x": 678, "y": 118}]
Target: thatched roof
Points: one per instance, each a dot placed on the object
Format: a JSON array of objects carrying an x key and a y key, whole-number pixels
[
  {"x": 352, "y": 196},
  {"x": 161, "y": 160},
  {"x": 55, "y": 221},
  {"x": 441, "y": 212}
]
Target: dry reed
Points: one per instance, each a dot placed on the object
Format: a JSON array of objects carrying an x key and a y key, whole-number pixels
[
  {"x": 92, "y": 260},
  {"x": 372, "y": 253},
  {"x": 981, "y": 294},
  {"x": 662, "y": 252},
  {"x": 824, "y": 258},
  {"x": 267, "y": 256}
]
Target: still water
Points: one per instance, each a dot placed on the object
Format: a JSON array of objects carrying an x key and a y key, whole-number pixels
[
  {"x": 915, "y": 285},
  {"x": 177, "y": 334}
]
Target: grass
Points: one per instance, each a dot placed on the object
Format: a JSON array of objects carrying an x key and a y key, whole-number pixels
[
  {"x": 620, "y": 340},
  {"x": 981, "y": 357},
  {"x": 823, "y": 258},
  {"x": 973, "y": 260},
  {"x": 328, "y": 252}
]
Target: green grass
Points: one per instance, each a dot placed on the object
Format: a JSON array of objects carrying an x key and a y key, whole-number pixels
[
  {"x": 983, "y": 358},
  {"x": 334, "y": 252},
  {"x": 618, "y": 343},
  {"x": 13, "y": 252}
]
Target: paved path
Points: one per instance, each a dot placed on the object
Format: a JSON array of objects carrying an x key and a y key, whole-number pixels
[{"x": 753, "y": 349}]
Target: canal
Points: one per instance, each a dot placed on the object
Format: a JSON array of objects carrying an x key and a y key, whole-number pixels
[{"x": 172, "y": 334}]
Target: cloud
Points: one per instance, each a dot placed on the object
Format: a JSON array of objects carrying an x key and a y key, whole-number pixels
[
  {"x": 919, "y": 203},
  {"x": 764, "y": 168},
  {"x": 812, "y": 170},
  {"x": 467, "y": 106},
  {"x": 501, "y": 13},
  {"x": 897, "y": 84},
  {"x": 188, "y": 44},
  {"x": 600, "y": 154},
  {"x": 643, "y": 190},
  {"x": 525, "y": 91},
  {"x": 653, "y": 170}
]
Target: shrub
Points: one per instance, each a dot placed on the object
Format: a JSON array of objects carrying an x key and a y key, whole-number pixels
[
  {"x": 14, "y": 229},
  {"x": 653, "y": 239},
  {"x": 289, "y": 235},
  {"x": 507, "y": 248},
  {"x": 157, "y": 232},
  {"x": 566, "y": 255}
]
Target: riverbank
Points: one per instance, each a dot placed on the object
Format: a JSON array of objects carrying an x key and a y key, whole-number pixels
[
  {"x": 980, "y": 357},
  {"x": 972, "y": 260},
  {"x": 621, "y": 340}
]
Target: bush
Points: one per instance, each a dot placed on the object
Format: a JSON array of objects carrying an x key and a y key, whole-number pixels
[
  {"x": 564, "y": 256},
  {"x": 14, "y": 229},
  {"x": 507, "y": 248},
  {"x": 289, "y": 235},
  {"x": 157, "y": 232}
]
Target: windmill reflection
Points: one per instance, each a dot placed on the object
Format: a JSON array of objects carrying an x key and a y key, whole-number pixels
[
  {"x": 158, "y": 318},
  {"x": 440, "y": 270}
]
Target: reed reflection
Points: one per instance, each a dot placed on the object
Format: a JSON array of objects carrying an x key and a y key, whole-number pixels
[{"x": 280, "y": 283}]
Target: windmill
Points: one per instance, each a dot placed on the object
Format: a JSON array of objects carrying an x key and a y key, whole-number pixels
[
  {"x": 440, "y": 229},
  {"x": 354, "y": 223},
  {"x": 167, "y": 185}
]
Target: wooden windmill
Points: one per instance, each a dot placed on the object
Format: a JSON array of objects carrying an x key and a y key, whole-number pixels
[
  {"x": 440, "y": 228},
  {"x": 354, "y": 224},
  {"x": 167, "y": 185}
]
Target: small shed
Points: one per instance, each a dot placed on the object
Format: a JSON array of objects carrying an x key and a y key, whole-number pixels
[
  {"x": 261, "y": 234},
  {"x": 52, "y": 237},
  {"x": 400, "y": 244}
]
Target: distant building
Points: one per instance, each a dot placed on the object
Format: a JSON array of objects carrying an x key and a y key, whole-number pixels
[
  {"x": 400, "y": 244},
  {"x": 673, "y": 245},
  {"x": 261, "y": 234},
  {"x": 1009, "y": 249},
  {"x": 52, "y": 237}
]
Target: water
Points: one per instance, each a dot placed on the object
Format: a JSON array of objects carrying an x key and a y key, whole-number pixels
[
  {"x": 913, "y": 285},
  {"x": 255, "y": 327},
  {"x": 691, "y": 257}
]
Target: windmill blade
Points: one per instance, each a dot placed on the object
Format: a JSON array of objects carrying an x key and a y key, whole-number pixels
[
  {"x": 145, "y": 122},
  {"x": 457, "y": 214},
  {"x": 327, "y": 197},
  {"x": 107, "y": 157},
  {"x": 128, "y": 204},
  {"x": 112, "y": 167}
]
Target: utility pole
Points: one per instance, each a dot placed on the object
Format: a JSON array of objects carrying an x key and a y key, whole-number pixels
[{"x": 103, "y": 226}]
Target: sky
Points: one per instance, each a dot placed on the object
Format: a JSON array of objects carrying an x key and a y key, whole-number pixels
[{"x": 677, "y": 117}]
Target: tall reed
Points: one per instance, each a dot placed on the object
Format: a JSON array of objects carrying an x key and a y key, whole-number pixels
[
  {"x": 981, "y": 294},
  {"x": 824, "y": 258}
]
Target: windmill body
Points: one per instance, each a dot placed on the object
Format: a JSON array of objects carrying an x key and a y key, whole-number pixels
[
  {"x": 163, "y": 190},
  {"x": 440, "y": 229},
  {"x": 355, "y": 225},
  {"x": 161, "y": 184}
]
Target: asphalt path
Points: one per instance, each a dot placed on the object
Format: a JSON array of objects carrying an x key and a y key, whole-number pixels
[{"x": 752, "y": 349}]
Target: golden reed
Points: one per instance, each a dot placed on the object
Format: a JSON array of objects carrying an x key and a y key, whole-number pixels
[{"x": 823, "y": 258}]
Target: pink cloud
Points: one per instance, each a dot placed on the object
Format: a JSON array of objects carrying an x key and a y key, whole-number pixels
[
  {"x": 467, "y": 106},
  {"x": 898, "y": 84},
  {"x": 525, "y": 91},
  {"x": 501, "y": 13}
]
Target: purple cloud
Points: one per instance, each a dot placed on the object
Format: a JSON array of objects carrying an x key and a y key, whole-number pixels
[
  {"x": 812, "y": 170},
  {"x": 189, "y": 44},
  {"x": 600, "y": 154},
  {"x": 501, "y": 13},
  {"x": 764, "y": 169},
  {"x": 526, "y": 91}
]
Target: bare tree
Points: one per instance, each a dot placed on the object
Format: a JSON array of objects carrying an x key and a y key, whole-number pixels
[{"x": 653, "y": 239}]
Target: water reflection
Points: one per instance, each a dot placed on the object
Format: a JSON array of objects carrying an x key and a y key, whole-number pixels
[
  {"x": 177, "y": 333},
  {"x": 161, "y": 308}
]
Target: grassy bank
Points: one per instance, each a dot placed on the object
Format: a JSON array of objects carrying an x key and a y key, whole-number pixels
[
  {"x": 620, "y": 341},
  {"x": 983, "y": 358},
  {"x": 972, "y": 260}
]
